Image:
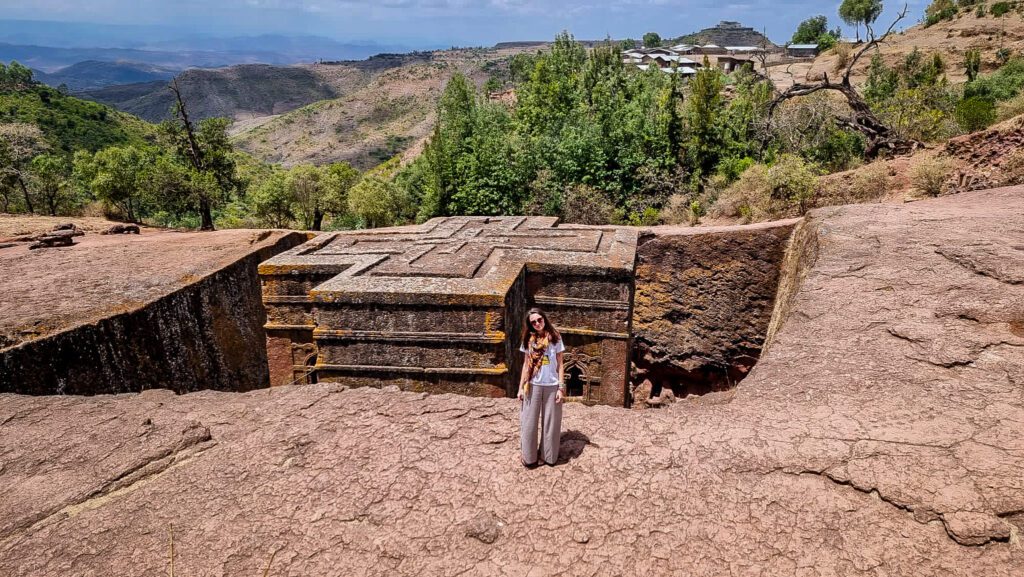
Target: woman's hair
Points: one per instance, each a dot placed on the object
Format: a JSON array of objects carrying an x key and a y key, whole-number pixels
[{"x": 548, "y": 327}]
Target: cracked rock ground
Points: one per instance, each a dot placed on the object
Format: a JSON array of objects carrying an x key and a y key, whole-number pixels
[{"x": 881, "y": 434}]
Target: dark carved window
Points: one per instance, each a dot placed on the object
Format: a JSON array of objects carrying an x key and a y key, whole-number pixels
[
  {"x": 574, "y": 382},
  {"x": 311, "y": 371}
]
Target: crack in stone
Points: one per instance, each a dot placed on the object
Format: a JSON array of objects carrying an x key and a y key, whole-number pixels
[
  {"x": 874, "y": 492},
  {"x": 195, "y": 436},
  {"x": 965, "y": 261}
]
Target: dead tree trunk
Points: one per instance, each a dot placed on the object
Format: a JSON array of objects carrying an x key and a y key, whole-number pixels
[
  {"x": 28, "y": 197},
  {"x": 879, "y": 136},
  {"x": 195, "y": 155}
]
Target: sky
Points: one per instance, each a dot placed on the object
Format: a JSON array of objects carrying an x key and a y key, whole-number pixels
[{"x": 442, "y": 23}]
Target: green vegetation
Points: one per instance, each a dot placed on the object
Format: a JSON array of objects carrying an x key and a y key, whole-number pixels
[
  {"x": 67, "y": 123},
  {"x": 59, "y": 153},
  {"x": 942, "y": 10},
  {"x": 651, "y": 40},
  {"x": 1002, "y": 84},
  {"x": 815, "y": 30},
  {"x": 584, "y": 138},
  {"x": 593, "y": 141},
  {"x": 914, "y": 98},
  {"x": 857, "y": 12}
]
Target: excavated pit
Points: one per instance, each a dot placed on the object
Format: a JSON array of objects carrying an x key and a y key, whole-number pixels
[
  {"x": 696, "y": 320},
  {"x": 704, "y": 304}
]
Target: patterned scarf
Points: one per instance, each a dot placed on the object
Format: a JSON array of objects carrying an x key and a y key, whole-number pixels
[{"x": 538, "y": 346}]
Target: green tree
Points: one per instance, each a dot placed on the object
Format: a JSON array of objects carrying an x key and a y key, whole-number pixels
[
  {"x": 882, "y": 81},
  {"x": 19, "y": 143},
  {"x": 15, "y": 76},
  {"x": 118, "y": 175},
  {"x": 450, "y": 140},
  {"x": 51, "y": 180},
  {"x": 703, "y": 114},
  {"x": 808, "y": 31},
  {"x": 308, "y": 189},
  {"x": 627, "y": 44},
  {"x": 651, "y": 40},
  {"x": 208, "y": 153},
  {"x": 376, "y": 199},
  {"x": 272, "y": 201},
  {"x": 857, "y": 12},
  {"x": 339, "y": 178}
]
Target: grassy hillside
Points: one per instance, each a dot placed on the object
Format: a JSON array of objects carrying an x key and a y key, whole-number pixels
[
  {"x": 70, "y": 123},
  {"x": 382, "y": 112},
  {"x": 232, "y": 92}
]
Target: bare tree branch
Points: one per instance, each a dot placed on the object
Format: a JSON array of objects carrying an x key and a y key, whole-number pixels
[{"x": 872, "y": 42}]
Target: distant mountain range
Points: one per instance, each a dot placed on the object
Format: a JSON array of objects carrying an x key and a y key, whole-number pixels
[{"x": 49, "y": 46}]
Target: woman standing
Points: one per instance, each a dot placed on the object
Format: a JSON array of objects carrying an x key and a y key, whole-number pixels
[{"x": 541, "y": 389}]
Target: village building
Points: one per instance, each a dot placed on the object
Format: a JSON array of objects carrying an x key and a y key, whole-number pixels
[{"x": 802, "y": 50}]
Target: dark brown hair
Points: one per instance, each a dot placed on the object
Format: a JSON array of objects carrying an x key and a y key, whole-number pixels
[{"x": 549, "y": 328}]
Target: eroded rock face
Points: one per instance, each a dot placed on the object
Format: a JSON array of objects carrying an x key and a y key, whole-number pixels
[
  {"x": 704, "y": 299},
  {"x": 879, "y": 435}
]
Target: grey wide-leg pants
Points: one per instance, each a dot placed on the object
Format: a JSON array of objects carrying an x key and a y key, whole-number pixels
[{"x": 540, "y": 405}]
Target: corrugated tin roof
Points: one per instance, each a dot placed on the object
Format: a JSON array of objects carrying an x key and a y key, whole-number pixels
[{"x": 803, "y": 46}]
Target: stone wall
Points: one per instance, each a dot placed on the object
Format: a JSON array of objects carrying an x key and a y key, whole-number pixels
[
  {"x": 704, "y": 301},
  {"x": 206, "y": 335}
]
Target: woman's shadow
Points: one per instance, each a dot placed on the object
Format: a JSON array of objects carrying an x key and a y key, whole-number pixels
[{"x": 571, "y": 446}]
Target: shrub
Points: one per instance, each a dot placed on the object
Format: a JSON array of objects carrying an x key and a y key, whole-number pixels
[
  {"x": 695, "y": 212},
  {"x": 976, "y": 113},
  {"x": 586, "y": 205},
  {"x": 843, "y": 52},
  {"x": 793, "y": 180},
  {"x": 764, "y": 192},
  {"x": 870, "y": 182},
  {"x": 1001, "y": 8},
  {"x": 1010, "y": 108},
  {"x": 731, "y": 168},
  {"x": 930, "y": 176}
]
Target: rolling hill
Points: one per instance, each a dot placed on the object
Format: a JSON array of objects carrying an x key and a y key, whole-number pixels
[
  {"x": 241, "y": 91},
  {"x": 70, "y": 123},
  {"x": 386, "y": 112},
  {"x": 361, "y": 111},
  {"x": 93, "y": 74}
]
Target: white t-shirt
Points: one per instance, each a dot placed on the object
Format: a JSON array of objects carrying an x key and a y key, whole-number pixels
[{"x": 547, "y": 375}]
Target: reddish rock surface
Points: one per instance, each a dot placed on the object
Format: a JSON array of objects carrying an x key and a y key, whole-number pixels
[
  {"x": 116, "y": 314},
  {"x": 52, "y": 290},
  {"x": 880, "y": 434}
]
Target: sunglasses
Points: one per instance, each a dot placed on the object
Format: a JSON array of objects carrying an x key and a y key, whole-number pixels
[{"x": 538, "y": 320}]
